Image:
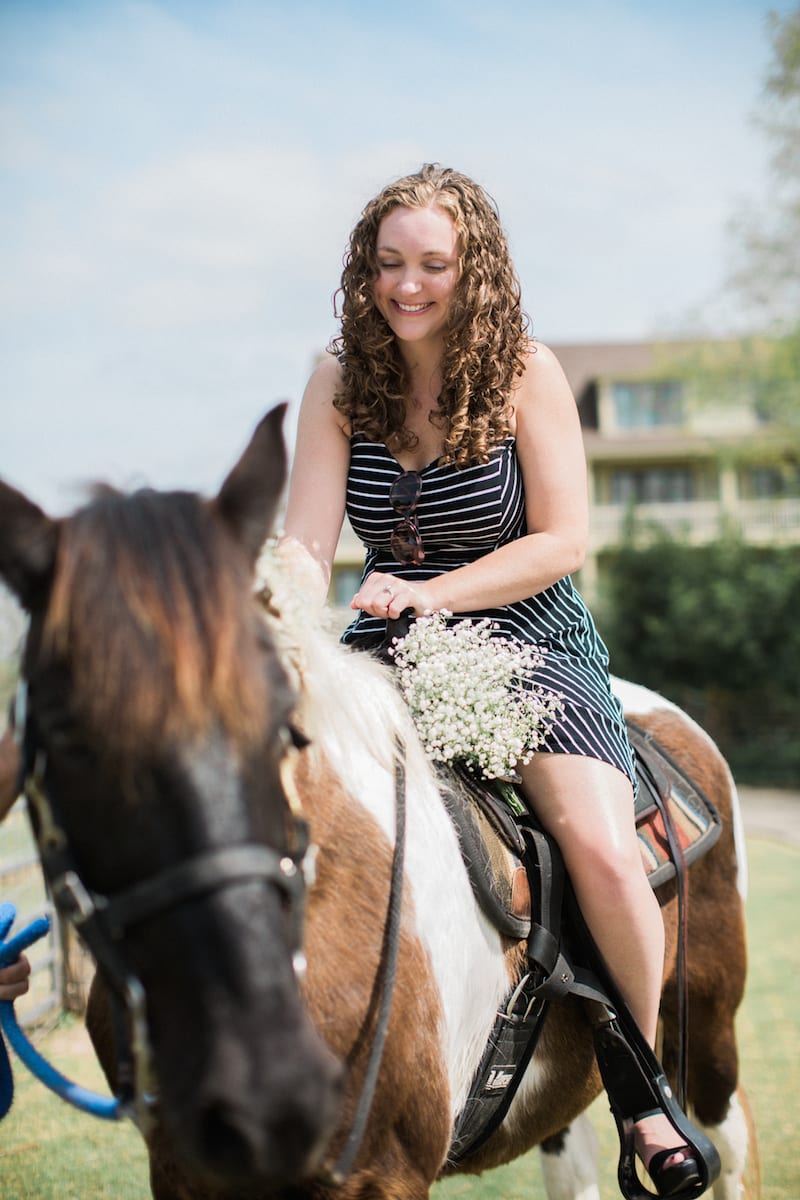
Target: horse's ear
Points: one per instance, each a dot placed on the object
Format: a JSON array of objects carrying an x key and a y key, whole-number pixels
[
  {"x": 28, "y": 540},
  {"x": 248, "y": 499}
]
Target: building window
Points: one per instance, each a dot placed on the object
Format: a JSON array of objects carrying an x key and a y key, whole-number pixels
[
  {"x": 344, "y": 585},
  {"x": 769, "y": 483},
  {"x": 652, "y": 485},
  {"x": 647, "y": 404}
]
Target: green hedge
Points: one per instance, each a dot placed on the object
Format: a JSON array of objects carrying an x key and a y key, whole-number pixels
[{"x": 716, "y": 628}]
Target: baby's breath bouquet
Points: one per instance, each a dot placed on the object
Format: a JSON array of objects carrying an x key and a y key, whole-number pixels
[{"x": 472, "y": 694}]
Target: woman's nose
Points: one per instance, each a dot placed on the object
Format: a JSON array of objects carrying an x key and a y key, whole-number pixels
[{"x": 409, "y": 285}]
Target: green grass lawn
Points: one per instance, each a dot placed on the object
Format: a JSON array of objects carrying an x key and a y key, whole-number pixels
[{"x": 50, "y": 1152}]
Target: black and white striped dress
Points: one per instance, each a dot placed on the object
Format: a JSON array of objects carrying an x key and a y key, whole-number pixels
[{"x": 462, "y": 515}]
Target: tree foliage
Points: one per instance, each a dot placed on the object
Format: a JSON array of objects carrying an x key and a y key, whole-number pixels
[
  {"x": 767, "y": 273},
  {"x": 758, "y": 372},
  {"x": 715, "y": 628}
]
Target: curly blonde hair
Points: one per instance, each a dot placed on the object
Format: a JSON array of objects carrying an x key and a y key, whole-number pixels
[{"x": 487, "y": 339}]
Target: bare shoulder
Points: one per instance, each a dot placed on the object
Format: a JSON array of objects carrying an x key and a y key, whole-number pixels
[
  {"x": 326, "y": 378},
  {"x": 543, "y": 382},
  {"x": 543, "y": 365},
  {"x": 321, "y": 391}
]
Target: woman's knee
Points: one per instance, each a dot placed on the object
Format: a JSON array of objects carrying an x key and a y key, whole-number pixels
[{"x": 607, "y": 863}]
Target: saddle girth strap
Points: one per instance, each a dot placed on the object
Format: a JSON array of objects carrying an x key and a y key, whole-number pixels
[
  {"x": 519, "y": 1022},
  {"x": 515, "y": 1035},
  {"x": 544, "y": 866}
]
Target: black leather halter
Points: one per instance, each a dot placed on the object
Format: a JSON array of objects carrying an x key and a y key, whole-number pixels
[{"x": 103, "y": 920}]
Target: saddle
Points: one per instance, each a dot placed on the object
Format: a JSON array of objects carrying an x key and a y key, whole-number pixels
[
  {"x": 674, "y": 820},
  {"x": 520, "y": 882}
]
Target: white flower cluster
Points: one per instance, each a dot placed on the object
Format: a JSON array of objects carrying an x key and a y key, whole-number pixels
[{"x": 472, "y": 694}]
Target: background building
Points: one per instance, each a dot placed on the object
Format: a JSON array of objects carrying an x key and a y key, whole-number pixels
[{"x": 675, "y": 438}]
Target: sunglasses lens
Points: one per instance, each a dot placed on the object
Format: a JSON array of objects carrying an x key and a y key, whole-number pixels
[
  {"x": 406, "y": 543},
  {"x": 405, "y": 491}
]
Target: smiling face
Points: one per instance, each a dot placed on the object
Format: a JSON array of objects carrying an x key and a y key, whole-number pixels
[{"x": 417, "y": 252}]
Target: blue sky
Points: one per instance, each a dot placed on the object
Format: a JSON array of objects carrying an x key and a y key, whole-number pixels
[{"x": 178, "y": 181}]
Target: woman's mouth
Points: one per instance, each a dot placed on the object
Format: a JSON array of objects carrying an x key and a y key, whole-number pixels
[{"x": 412, "y": 308}]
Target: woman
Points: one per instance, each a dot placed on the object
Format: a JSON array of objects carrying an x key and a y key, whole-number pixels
[{"x": 453, "y": 443}]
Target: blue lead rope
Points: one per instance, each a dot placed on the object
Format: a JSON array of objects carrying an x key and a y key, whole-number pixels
[{"x": 89, "y": 1102}]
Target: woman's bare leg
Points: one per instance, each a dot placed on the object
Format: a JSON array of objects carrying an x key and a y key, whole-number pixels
[{"x": 587, "y": 806}]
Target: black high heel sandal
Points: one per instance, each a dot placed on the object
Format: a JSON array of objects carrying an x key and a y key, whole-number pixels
[
  {"x": 678, "y": 1178},
  {"x": 637, "y": 1088}
]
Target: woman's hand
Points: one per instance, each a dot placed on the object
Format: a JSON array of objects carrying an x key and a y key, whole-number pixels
[
  {"x": 387, "y": 596},
  {"x": 15, "y": 979}
]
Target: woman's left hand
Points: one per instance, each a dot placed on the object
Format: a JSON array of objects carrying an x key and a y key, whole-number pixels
[{"x": 387, "y": 596}]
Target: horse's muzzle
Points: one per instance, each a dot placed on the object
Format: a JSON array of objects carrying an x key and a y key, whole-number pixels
[{"x": 245, "y": 1135}]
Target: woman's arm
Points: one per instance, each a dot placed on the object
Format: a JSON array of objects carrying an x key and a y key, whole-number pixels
[
  {"x": 551, "y": 456},
  {"x": 318, "y": 485}
]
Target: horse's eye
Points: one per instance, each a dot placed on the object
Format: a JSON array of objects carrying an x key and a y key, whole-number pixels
[
  {"x": 62, "y": 733},
  {"x": 67, "y": 737}
]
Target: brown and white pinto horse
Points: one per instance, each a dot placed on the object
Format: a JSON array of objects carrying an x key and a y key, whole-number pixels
[{"x": 159, "y": 699}]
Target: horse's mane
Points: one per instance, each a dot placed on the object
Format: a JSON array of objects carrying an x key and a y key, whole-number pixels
[
  {"x": 348, "y": 701},
  {"x": 349, "y": 698},
  {"x": 151, "y": 608}
]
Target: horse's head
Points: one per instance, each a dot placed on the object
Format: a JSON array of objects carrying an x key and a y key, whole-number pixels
[{"x": 155, "y": 745}]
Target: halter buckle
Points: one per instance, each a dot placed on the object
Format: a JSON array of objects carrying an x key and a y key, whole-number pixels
[
  {"x": 144, "y": 1088},
  {"x": 73, "y": 897}
]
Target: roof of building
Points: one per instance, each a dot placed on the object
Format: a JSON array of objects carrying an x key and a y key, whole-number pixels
[{"x": 585, "y": 363}]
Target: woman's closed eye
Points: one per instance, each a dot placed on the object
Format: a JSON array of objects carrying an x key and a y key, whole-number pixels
[{"x": 435, "y": 268}]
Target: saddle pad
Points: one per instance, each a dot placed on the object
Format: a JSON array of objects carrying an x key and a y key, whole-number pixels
[
  {"x": 491, "y": 845},
  {"x": 662, "y": 783},
  {"x": 484, "y": 812}
]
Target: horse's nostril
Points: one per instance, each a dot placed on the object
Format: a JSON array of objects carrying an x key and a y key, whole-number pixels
[
  {"x": 223, "y": 1142},
  {"x": 233, "y": 1147}
]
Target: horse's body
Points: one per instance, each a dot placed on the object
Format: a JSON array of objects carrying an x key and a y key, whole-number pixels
[{"x": 159, "y": 694}]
